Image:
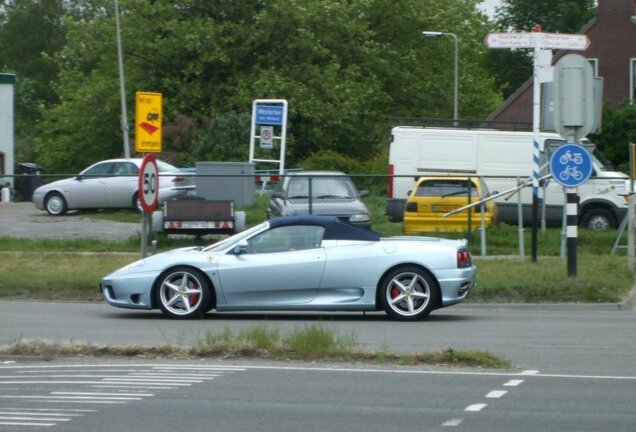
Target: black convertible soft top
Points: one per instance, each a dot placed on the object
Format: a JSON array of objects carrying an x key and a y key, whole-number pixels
[{"x": 335, "y": 229}]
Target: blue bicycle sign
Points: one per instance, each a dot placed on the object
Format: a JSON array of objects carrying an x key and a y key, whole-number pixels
[{"x": 571, "y": 165}]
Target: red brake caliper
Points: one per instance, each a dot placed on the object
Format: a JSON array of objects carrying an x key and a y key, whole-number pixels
[
  {"x": 395, "y": 292},
  {"x": 194, "y": 298}
]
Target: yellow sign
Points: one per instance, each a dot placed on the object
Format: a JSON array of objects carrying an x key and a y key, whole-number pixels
[{"x": 148, "y": 120}]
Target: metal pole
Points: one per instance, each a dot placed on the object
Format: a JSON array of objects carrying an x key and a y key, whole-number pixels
[
  {"x": 536, "y": 155},
  {"x": 456, "y": 83},
  {"x": 122, "y": 90},
  {"x": 522, "y": 254},
  {"x": 572, "y": 229}
]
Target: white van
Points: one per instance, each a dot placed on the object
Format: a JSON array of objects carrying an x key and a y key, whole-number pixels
[{"x": 501, "y": 158}]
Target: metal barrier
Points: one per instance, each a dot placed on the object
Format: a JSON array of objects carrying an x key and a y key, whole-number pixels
[{"x": 19, "y": 218}]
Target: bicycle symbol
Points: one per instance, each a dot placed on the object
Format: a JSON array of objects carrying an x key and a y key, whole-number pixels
[
  {"x": 567, "y": 157},
  {"x": 570, "y": 171}
]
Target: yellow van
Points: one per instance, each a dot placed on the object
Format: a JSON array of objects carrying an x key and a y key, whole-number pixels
[{"x": 432, "y": 197}]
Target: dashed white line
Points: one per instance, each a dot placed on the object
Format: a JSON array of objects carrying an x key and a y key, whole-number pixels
[
  {"x": 452, "y": 422},
  {"x": 529, "y": 372},
  {"x": 496, "y": 394},
  {"x": 513, "y": 383},
  {"x": 476, "y": 407}
]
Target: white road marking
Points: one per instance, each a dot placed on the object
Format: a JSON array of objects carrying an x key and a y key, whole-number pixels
[
  {"x": 529, "y": 372},
  {"x": 452, "y": 422},
  {"x": 476, "y": 407},
  {"x": 26, "y": 424},
  {"x": 34, "y": 418},
  {"x": 496, "y": 394},
  {"x": 513, "y": 383}
]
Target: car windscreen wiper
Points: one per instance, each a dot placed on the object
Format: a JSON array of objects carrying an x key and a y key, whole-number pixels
[{"x": 459, "y": 192}]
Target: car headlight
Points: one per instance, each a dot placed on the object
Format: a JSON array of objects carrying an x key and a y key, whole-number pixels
[{"x": 359, "y": 218}]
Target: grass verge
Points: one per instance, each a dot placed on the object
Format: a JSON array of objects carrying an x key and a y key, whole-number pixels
[
  {"x": 75, "y": 276},
  {"x": 308, "y": 343}
]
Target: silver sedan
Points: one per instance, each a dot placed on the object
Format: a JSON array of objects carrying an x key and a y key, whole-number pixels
[
  {"x": 108, "y": 184},
  {"x": 301, "y": 263}
]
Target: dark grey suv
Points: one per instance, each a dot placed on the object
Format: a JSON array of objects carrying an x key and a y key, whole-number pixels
[{"x": 329, "y": 193}]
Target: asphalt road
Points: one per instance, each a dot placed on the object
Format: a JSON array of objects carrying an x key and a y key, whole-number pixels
[
  {"x": 23, "y": 220},
  {"x": 568, "y": 339},
  {"x": 235, "y": 397}
]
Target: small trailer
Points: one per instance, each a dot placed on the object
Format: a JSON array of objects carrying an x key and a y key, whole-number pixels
[{"x": 198, "y": 216}]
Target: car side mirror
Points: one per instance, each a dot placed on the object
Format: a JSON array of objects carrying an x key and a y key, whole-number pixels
[
  {"x": 79, "y": 177},
  {"x": 364, "y": 193},
  {"x": 409, "y": 193},
  {"x": 240, "y": 247}
]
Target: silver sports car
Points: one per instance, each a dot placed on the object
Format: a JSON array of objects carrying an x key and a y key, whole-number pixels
[{"x": 308, "y": 263}]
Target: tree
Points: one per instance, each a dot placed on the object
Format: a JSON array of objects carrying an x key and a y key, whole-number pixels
[
  {"x": 511, "y": 68},
  {"x": 619, "y": 129},
  {"x": 344, "y": 67}
]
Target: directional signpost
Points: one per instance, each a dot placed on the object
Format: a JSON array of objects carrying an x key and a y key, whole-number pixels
[{"x": 541, "y": 43}]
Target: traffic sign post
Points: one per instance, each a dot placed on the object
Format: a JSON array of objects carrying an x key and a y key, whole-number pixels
[
  {"x": 540, "y": 42},
  {"x": 269, "y": 114},
  {"x": 571, "y": 166},
  {"x": 148, "y": 195}
]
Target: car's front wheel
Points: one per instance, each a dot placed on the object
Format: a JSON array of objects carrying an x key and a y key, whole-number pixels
[
  {"x": 183, "y": 293},
  {"x": 56, "y": 204},
  {"x": 408, "y": 293}
]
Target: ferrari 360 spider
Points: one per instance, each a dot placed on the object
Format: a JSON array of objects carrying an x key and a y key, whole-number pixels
[{"x": 299, "y": 263}]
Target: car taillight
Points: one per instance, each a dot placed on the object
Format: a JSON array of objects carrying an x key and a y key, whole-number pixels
[
  {"x": 178, "y": 179},
  {"x": 463, "y": 259}
]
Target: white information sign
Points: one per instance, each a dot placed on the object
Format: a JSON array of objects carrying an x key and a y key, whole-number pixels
[
  {"x": 564, "y": 41},
  {"x": 267, "y": 137}
]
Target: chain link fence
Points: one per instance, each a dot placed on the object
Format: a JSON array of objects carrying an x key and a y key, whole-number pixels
[{"x": 374, "y": 201}]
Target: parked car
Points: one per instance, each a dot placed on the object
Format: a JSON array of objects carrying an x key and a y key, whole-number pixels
[
  {"x": 108, "y": 184},
  {"x": 432, "y": 197},
  {"x": 332, "y": 194},
  {"x": 303, "y": 263}
]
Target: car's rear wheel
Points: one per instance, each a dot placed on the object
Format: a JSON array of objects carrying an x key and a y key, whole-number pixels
[
  {"x": 56, "y": 204},
  {"x": 408, "y": 293},
  {"x": 184, "y": 292},
  {"x": 136, "y": 203}
]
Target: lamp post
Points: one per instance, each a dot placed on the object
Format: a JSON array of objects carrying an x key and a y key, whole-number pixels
[
  {"x": 122, "y": 91},
  {"x": 456, "y": 80}
]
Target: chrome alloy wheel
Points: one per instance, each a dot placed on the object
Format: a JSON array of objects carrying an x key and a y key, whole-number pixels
[
  {"x": 183, "y": 294},
  {"x": 408, "y": 293}
]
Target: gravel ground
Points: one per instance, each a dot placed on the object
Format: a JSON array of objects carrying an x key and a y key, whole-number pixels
[{"x": 23, "y": 220}]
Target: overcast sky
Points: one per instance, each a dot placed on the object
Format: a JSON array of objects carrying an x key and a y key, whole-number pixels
[{"x": 488, "y": 6}]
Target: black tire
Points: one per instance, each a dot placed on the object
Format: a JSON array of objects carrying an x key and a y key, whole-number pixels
[
  {"x": 136, "y": 203},
  {"x": 184, "y": 293},
  {"x": 56, "y": 204},
  {"x": 598, "y": 220},
  {"x": 408, "y": 293}
]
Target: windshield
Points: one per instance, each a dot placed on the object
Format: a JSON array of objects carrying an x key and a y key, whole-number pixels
[
  {"x": 321, "y": 187},
  {"x": 220, "y": 245}
]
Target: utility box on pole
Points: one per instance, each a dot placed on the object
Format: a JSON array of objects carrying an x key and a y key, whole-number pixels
[{"x": 575, "y": 115}]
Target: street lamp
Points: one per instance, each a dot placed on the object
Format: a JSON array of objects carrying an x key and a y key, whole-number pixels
[
  {"x": 122, "y": 91},
  {"x": 456, "y": 86}
]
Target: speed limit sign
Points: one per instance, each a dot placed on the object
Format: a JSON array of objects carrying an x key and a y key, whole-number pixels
[{"x": 148, "y": 189}]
